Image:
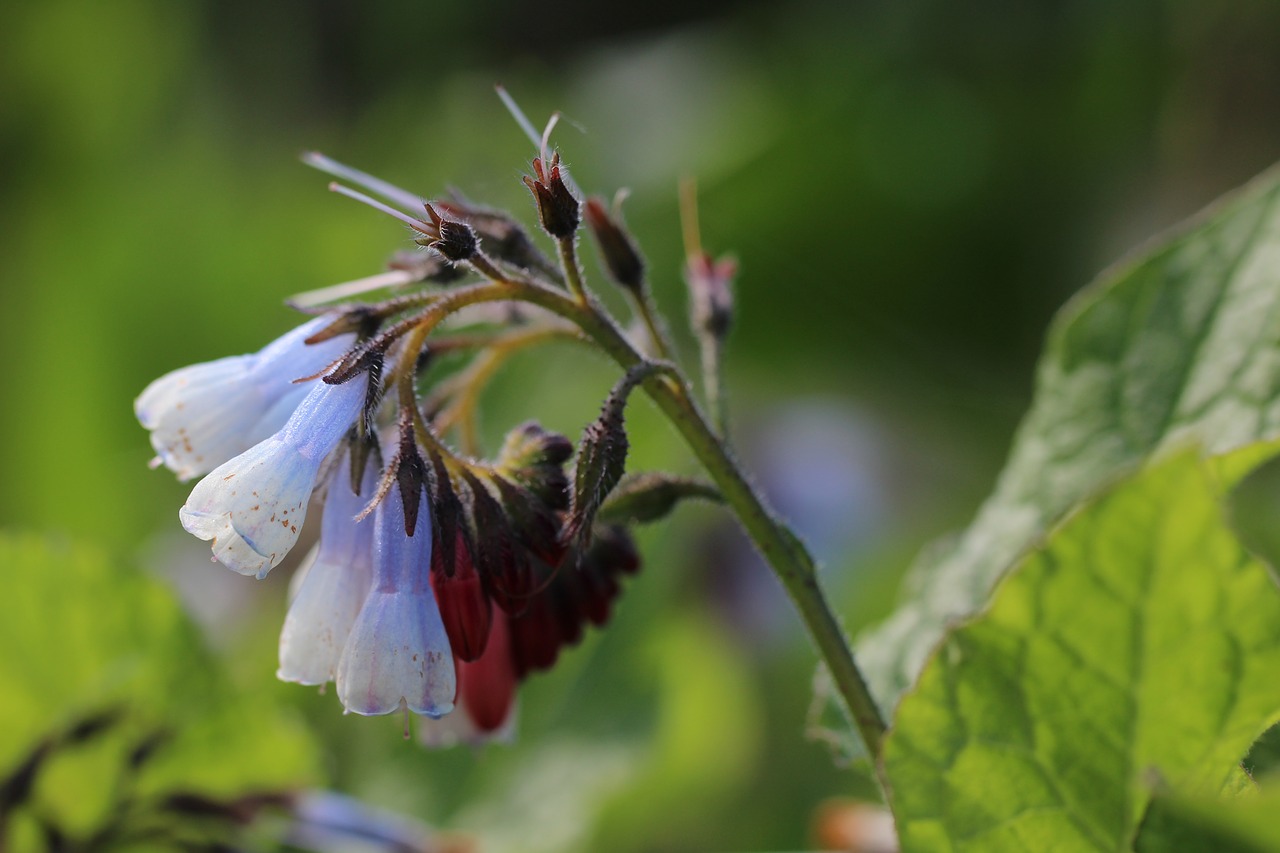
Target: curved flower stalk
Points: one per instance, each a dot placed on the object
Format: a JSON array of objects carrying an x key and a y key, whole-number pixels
[
  {"x": 252, "y": 507},
  {"x": 334, "y": 583},
  {"x": 398, "y": 654},
  {"x": 202, "y": 415},
  {"x": 480, "y": 572}
]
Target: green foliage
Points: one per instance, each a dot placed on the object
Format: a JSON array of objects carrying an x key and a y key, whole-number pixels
[
  {"x": 1181, "y": 344},
  {"x": 1138, "y": 647},
  {"x": 87, "y": 637},
  {"x": 1189, "y": 825}
]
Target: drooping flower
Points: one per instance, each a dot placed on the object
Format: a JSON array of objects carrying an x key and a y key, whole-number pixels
[
  {"x": 204, "y": 414},
  {"x": 335, "y": 584},
  {"x": 253, "y": 506},
  {"x": 398, "y": 654},
  {"x": 486, "y": 695}
]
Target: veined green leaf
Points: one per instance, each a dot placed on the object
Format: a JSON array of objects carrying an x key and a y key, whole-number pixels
[
  {"x": 1139, "y": 647},
  {"x": 1181, "y": 343},
  {"x": 85, "y": 637},
  {"x": 1185, "y": 825}
]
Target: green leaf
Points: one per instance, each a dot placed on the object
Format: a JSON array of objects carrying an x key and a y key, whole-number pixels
[
  {"x": 1181, "y": 343},
  {"x": 1186, "y": 825},
  {"x": 1140, "y": 646},
  {"x": 85, "y": 636}
]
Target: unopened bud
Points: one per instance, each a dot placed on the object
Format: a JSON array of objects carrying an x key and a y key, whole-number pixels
[
  {"x": 535, "y": 524},
  {"x": 621, "y": 257},
  {"x": 455, "y": 241},
  {"x": 642, "y": 498},
  {"x": 534, "y": 458},
  {"x": 557, "y": 208},
  {"x": 710, "y": 294},
  {"x": 602, "y": 455},
  {"x": 501, "y": 237},
  {"x": 464, "y": 607}
]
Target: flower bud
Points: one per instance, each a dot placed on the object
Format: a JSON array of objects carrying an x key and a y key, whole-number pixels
[
  {"x": 557, "y": 207},
  {"x": 621, "y": 257},
  {"x": 602, "y": 454},
  {"x": 464, "y": 606},
  {"x": 711, "y": 298},
  {"x": 535, "y": 459},
  {"x": 457, "y": 241},
  {"x": 502, "y": 237}
]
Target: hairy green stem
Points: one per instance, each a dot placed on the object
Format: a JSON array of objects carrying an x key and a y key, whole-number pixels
[
  {"x": 713, "y": 382},
  {"x": 642, "y": 304},
  {"x": 780, "y": 548}
]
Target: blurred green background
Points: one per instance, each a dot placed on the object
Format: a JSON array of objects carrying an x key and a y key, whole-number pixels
[{"x": 912, "y": 189}]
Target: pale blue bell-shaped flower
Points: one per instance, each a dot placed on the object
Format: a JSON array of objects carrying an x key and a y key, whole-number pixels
[
  {"x": 253, "y": 506},
  {"x": 204, "y": 414},
  {"x": 398, "y": 654},
  {"x": 334, "y": 584}
]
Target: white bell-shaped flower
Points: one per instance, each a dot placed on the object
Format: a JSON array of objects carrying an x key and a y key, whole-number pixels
[
  {"x": 398, "y": 653},
  {"x": 335, "y": 584},
  {"x": 204, "y": 414},
  {"x": 253, "y": 506}
]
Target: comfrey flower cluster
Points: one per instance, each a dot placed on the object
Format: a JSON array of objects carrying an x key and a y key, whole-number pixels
[{"x": 440, "y": 580}]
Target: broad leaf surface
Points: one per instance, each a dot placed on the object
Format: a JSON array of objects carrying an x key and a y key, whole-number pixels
[
  {"x": 87, "y": 636},
  {"x": 1182, "y": 343},
  {"x": 1140, "y": 646},
  {"x": 1183, "y": 825}
]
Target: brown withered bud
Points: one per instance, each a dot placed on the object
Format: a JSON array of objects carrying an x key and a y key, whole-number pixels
[
  {"x": 501, "y": 236},
  {"x": 621, "y": 257},
  {"x": 642, "y": 498},
  {"x": 710, "y": 294},
  {"x": 455, "y": 241},
  {"x": 557, "y": 208}
]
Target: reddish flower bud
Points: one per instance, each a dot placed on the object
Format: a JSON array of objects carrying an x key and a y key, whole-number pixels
[
  {"x": 535, "y": 637},
  {"x": 464, "y": 606},
  {"x": 487, "y": 686},
  {"x": 710, "y": 296},
  {"x": 621, "y": 257},
  {"x": 557, "y": 207},
  {"x": 536, "y": 526}
]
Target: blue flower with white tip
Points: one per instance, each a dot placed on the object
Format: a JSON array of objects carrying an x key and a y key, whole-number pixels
[
  {"x": 398, "y": 654},
  {"x": 333, "y": 584},
  {"x": 252, "y": 507},
  {"x": 204, "y": 414}
]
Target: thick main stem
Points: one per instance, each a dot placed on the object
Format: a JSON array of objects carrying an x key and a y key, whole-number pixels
[{"x": 784, "y": 553}]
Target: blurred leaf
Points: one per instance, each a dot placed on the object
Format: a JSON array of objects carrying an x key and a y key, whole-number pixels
[
  {"x": 1139, "y": 646},
  {"x": 1181, "y": 343},
  {"x": 704, "y": 747},
  {"x": 95, "y": 636},
  {"x": 1180, "y": 824}
]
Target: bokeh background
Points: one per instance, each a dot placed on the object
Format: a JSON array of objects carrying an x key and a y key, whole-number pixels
[{"x": 911, "y": 188}]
